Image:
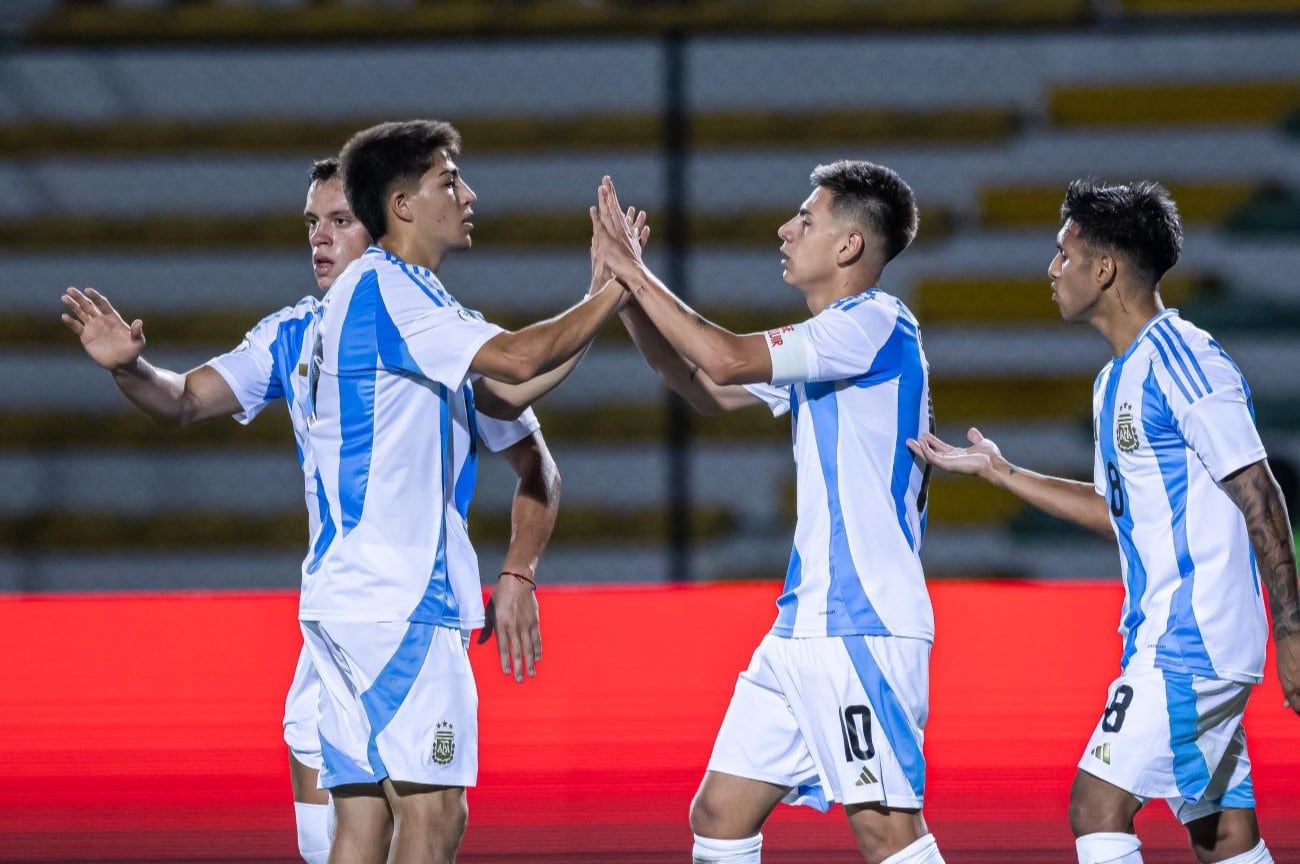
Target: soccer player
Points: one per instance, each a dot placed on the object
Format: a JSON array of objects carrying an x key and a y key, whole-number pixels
[
  {"x": 833, "y": 704},
  {"x": 270, "y": 364},
  {"x": 1180, "y": 480},
  {"x": 392, "y": 578}
]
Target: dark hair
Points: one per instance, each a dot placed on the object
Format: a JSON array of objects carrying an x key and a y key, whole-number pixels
[
  {"x": 874, "y": 197},
  {"x": 1138, "y": 220},
  {"x": 376, "y": 159},
  {"x": 324, "y": 169}
]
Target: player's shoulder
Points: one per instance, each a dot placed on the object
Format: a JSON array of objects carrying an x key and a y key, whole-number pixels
[
  {"x": 878, "y": 313},
  {"x": 1186, "y": 358}
]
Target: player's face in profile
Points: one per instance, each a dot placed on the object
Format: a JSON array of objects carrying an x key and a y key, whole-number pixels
[
  {"x": 335, "y": 235},
  {"x": 809, "y": 241},
  {"x": 444, "y": 204},
  {"x": 1073, "y": 288}
]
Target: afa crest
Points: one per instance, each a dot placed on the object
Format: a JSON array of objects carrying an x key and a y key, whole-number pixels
[
  {"x": 1126, "y": 435},
  {"x": 444, "y": 744}
]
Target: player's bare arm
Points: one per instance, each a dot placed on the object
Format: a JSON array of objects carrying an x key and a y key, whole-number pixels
[
  {"x": 519, "y": 356},
  {"x": 512, "y": 609},
  {"x": 170, "y": 398},
  {"x": 1257, "y": 495},
  {"x": 682, "y": 377},
  {"x": 1072, "y": 500},
  {"x": 725, "y": 357}
]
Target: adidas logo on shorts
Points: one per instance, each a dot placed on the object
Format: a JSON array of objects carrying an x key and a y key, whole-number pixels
[
  {"x": 1102, "y": 752},
  {"x": 866, "y": 778}
]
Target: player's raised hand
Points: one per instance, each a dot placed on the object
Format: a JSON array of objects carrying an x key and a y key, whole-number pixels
[
  {"x": 980, "y": 458},
  {"x": 622, "y": 241},
  {"x": 512, "y": 615},
  {"x": 109, "y": 340},
  {"x": 601, "y": 273}
]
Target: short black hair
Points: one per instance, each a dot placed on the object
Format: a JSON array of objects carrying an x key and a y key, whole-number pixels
[
  {"x": 376, "y": 159},
  {"x": 874, "y": 197},
  {"x": 324, "y": 169},
  {"x": 1138, "y": 220}
]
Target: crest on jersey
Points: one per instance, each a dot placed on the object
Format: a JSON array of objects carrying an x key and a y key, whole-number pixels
[
  {"x": 444, "y": 743},
  {"x": 1126, "y": 433}
]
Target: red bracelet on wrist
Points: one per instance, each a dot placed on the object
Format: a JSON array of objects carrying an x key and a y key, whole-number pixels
[{"x": 519, "y": 576}]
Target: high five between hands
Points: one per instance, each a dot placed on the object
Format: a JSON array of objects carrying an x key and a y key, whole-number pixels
[{"x": 617, "y": 238}]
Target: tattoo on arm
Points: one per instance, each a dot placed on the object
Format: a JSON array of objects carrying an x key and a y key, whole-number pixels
[{"x": 1256, "y": 494}]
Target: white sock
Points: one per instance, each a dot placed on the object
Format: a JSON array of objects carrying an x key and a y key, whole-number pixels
[
  {"x": 710, "y": 851},
  {"x": 1108, "y": 848},
  {"x": 1258, "y": 855},
  {"x": 922, "y": 851},
  {"x": 313, "y": 831}
]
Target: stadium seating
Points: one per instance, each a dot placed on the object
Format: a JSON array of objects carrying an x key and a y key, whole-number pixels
[{"x": 159, "y": 150}]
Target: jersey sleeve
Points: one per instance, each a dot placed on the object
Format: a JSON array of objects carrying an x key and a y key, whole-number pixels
[
  {"x": 437, "y": 342},
  {"x": 1209, "y": 400},
  {"x": 777, "y": 399},
  {"x": 249, "y": 369},
  {"x": 1220, "y": 426},
  {"x": 497, "y": 435},
  {"x": 831, "y": 346}
]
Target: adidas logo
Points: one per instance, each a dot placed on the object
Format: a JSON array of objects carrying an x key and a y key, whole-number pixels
[
  {"x": 1102, "y": 752},
  {"x": 866, "y": 778}
]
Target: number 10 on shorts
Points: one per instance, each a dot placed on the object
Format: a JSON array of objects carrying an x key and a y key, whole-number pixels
[{"x": 855, "y": 726}]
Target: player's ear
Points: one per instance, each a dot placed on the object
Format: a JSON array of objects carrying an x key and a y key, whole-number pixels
[
  {"x": 399, "y": 204},
  {"x": 1104, "y": 269},
  {"x": 850, "y": 249}
]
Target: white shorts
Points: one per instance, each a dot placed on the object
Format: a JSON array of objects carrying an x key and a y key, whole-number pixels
[
  {"x": 300, "y": 709},
  {"x": 838, "y": 718},
  {"x": 1174, "y": 736},
  {"x": 397, "y": 700}
]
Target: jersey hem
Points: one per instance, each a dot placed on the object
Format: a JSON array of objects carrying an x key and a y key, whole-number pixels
[{"x": 308, "y": 616}]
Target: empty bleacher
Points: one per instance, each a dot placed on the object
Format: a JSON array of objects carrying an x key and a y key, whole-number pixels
[{"x": 158, "y": 151}]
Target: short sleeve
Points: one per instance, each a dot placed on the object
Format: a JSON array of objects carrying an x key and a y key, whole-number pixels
[
  {"x": 440, "y": 340},
  {"x": 1221, "y": 431},
  {"x": 777, "y": 399},
  {"x": 835, "y": 344},
  {"x": 1209, "y": 399},
  {"x": 497, "y": 435},
  {"x": 250, "y": 369}
]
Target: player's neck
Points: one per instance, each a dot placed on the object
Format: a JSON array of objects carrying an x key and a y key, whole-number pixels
[
  {"x": 409, "y": 248},
  {"x": 818, "y": 297},
  {"x": 1126, "y": 315}
]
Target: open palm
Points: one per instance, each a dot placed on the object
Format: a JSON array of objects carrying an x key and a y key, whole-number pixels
[
  {"x": 978, "y": 458},
  {"x": 108, "y": 339}
]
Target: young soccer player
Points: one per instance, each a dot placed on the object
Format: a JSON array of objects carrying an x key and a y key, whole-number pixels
[
  {"x": 392, "y": 578},
  {"x": 269, "y": 365},
  {"x": 1181, "y": 481},
  {"x": 834, "y": 703}
]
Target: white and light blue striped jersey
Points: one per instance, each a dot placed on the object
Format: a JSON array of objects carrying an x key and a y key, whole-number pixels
[
  {"x": 856, "y": 382},
  {"x": 1172, "y": 415},
  {"x": 273, "y": 362}
]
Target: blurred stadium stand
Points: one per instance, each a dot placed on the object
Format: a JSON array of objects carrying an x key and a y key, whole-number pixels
[{"x": 158, "y": 151}]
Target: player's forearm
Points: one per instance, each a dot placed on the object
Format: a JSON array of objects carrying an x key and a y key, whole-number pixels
[
  {"x": 673, "y": 370},
  {"x": 700, "y": 342},
  {"x": 519, "y": 397},
  {"x": 533, "y": 510},
  {"x": 1257, "y": 495},
  {"x": 542, "y": 347},
  {"x": 1071, "y": 500},
  {"x": 160, "y": 393}
]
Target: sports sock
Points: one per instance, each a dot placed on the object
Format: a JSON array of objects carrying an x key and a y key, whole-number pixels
[
  {"x": 1108, "y": 848},
  {"x": 313, "y": 831},
  {"x": 924, "y": 850},
  {"x": 710, "y": 851},
  {"x": 1258, "y": 855}
]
